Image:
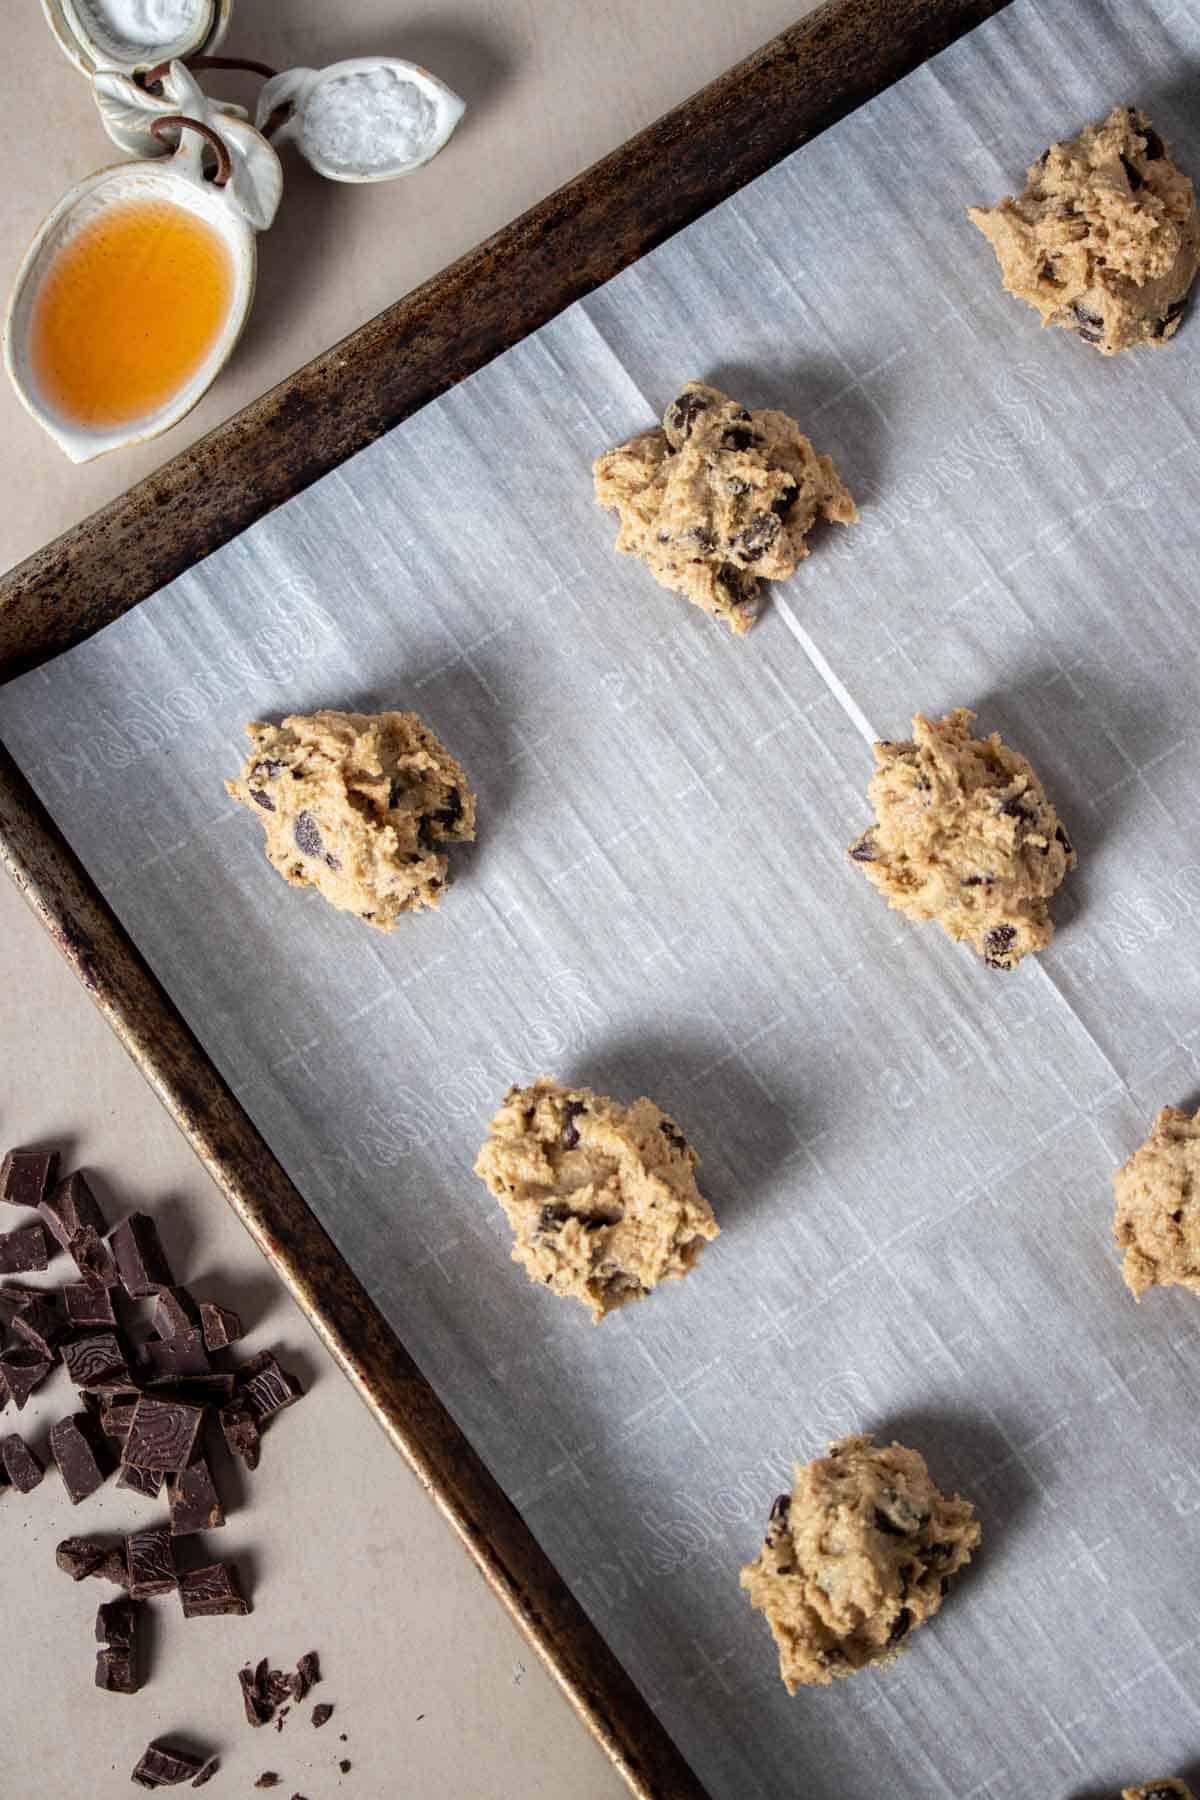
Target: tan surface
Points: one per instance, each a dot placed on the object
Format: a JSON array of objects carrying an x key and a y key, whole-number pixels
[
  {"x": 549, "y": 87},
  {"x": 345, "y": 1551}
]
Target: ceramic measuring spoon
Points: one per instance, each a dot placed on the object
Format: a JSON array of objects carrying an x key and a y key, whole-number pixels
[
  {"x": 135, "y": 34},
  {"x": 368, "y": 119},
  {"x": 223, "y": 185}
]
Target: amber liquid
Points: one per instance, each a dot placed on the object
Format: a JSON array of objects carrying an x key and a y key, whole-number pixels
[{"x": 128, "y": 311}]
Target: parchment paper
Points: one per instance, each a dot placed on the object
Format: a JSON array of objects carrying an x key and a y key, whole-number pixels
[{"x": 909, "y": 1155}]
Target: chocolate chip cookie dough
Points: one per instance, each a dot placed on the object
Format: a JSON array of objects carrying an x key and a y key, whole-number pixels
[
  {"x": 857, "y": 1556},
  {"x": 1157, "y": 1221},
  {"x": 602, "y": 1198},
  {"x": 357, "y": 805},
  {"x": 1169, "y": 1787},
  {"x": 719, "y": 500},
  {"x": 964, "y": 834},
  {"x": 1105, "y": 239}
]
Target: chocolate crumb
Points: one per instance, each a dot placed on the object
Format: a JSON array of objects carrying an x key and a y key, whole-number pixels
[
  {"x": 268, "y": 1779},
  {"x": 321, "y": 1714}
]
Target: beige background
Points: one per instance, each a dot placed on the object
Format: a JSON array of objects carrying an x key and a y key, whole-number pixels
[{"x": 436, "y": 1692}]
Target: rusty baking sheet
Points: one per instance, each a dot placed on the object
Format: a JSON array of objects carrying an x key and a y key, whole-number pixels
[{"x": 786, "y": 93}]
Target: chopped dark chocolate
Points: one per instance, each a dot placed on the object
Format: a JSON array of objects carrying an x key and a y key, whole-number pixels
[
  {"x": 211, "y": 1591},
  {"x": 240, "y": 1430},
  {"x": 146, "y": 1482},
  {"x": 322, "y": 1713},
  {"x": 141, "y": 1262},
  {"x": 117, "y": 1623},
  {"x": 70, "y": 1208},
  {"x": 93, "y": 1258},
  {"x": 308, "y": 1673},
  {"x": 220, "y": 1326},
  {"x": 97, "y": 1361},
  {"x": 41, "y": 1322},
  {"x": 268, "y": 1779},
  {"x": 195, "y": 1503},
  {"x": 77, "y": 1446},
  {"x": 88, "y": 1303},
  {"x": 115, "y": 1672},
  {"x": 116, "y": 1414},
  {"x": 208, "y": 1771},
  {"x": 162, "y": 1433},
  {"x": 258, "y": 1708},
  {"x": 174, "y": 1312},
  {"x": 79, "y": 1557},
  {"x": 22, "y": 1466},
  {"x": 151, "y": 1562},
  {"x": 345, "y": 1765},
  {"x": 165, "y": 1359},
  {"x": 163, "y": 1765},
  {"x": 26, "y": 1174},
  {"x": 265, "y": 1387},
  {"x": 23, "y": 1249},
  {"x": 23, "y": 1370}
]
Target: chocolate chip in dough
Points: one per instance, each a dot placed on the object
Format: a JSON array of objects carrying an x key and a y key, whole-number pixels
[{"x": 307, "y": 835}]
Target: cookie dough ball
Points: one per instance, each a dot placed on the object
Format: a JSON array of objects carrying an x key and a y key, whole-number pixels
[
  {"x": 720, "y": 500},
  {"x": 602, "y": 1197},
  {"x": 857, "y": 1556},
  {"x": 1104, "y": 240},
  {"x": 357, "y": 805},
  {"x": 1169, "y": 1788},
  {"x": 964, "y": 834},
  {"x": 1157, "y": 1221}
]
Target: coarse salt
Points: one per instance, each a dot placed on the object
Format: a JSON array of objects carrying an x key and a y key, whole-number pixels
[
  {"x": 141, "y": 24},
  {"x": 368, "y": 121}
]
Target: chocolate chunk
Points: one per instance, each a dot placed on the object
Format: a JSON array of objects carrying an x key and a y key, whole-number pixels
[
  {"x": 447, "y": 817},
  {"x": 740, "y": 437},
  {"x": 569, "y": 1135},
  {"x": 219, "y": 1326},
  {"x": 78, "y": 1448},
  {"x": 240, "y": 1430},
  {"x": 195, "y": 1503},
  {"x": 1091, "y": 325},
  {"x": 307, "y": 835},
  {"x": 683, "y": 413},
  {"x": 901, "y": 1626},
  {"x": 258, "y": 1708},
  {"x": 116, "y": 1413},
  {"x": 97, "y": 1361},
  {"x": 168, "y": 1358},
  {"x": 151, "y": 1559},
  {"x": 1063, "y": 839},
  {"x": 268, "y": 767},
  {"x": 261, "y": 799},
  {"x": 163, "y": 1765},
  {"x": 939, "y": 1552},
  {"x": 673, "y": 1135},
  {"x": 889, "y": 1526},
  {"x": 864, "y": 849},
  {"x": 117, "y": 1623},
  {"x": 141, "y": 1262},
  {"x": 321, "y": 1714},
  {"x": 88, "y": 1303},
  {"x": 116, "y": 1674},
  {"x": 783, "y": 503},
  {"x": 23, "y": 1371},
  {"x": 146, "y": 1482},
  {"x": 41, "y": 1322},
  {"x": 80, "y": 1557},
  {"x": 70, "y": 1208},
  {"x": 996, "y": 945},
  {"x": 163, "y": 1433},
  {"x": 211, "y": 1592},
  {"x": 25, "y": 1176},
  {"x": 972, "y": 881},
  {"x": 22, "y": 1250},
  {"x": 757, "y": 537},
  {"x": 207, "y": 1772},
  {"x": 23, "y": 1467},
  {"x": 265, "y": 1387},
  {"x": 175, "y": 1313},
  {"x": 212, "y": 1389},
  {"x": 1132, "y": 174},
  {"x": 93, "y": 1258},
  {"x": 308, "y": 1673},
  {"x": 1015, "y": 807}
]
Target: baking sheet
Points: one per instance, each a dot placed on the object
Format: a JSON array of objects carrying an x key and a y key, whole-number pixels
[{"x": 909, "y": 1154}]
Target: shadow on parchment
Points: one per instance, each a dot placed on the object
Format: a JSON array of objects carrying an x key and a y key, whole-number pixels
[
  {"x": 829, "y": 409},
  {"x": 741, "y": 1134},
  {"x": 963, "y": 1447}
]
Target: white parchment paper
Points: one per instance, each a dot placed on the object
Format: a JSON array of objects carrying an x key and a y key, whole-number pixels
[{"x": 910, "y": 1155}]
